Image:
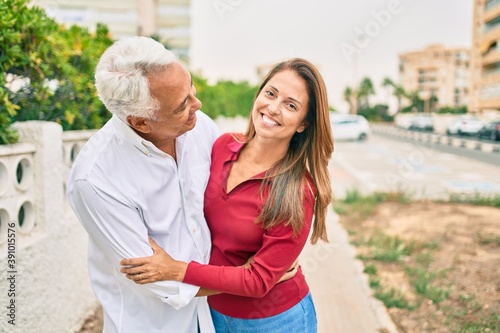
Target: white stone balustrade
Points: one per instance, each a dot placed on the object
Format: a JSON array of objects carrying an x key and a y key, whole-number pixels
[{"x": 48, "y": 282}]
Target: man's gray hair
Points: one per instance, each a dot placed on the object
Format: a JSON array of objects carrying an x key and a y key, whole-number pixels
[{"x": 120, "y": 76}]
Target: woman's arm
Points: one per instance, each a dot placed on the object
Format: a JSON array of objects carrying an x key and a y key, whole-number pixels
[
  {"x": 161, "y": 266},
  {"x": 279, "y": 250}
]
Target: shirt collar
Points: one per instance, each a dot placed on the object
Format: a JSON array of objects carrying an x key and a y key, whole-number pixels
[
  {"x": 236, "y": 145},
  {"x": 127, "y": 133}
]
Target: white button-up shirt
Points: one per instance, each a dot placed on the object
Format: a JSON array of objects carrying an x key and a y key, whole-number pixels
[{"x": 124, "y": 189}]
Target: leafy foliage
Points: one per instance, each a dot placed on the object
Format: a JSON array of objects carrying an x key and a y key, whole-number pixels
[
  {"x": 379, "y": 112},
  {"x": 47, "y": 70},
  {"x": 225, "y": 98}
]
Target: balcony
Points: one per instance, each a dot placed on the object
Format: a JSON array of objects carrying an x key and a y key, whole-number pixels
[
  {"x": 493, "y": 103},
  {"x": 491, "y": 4},
  {"x": 491, "y": 58},
  {"x": 491, "y": 76},
  {"x": 492, "y": 14}
]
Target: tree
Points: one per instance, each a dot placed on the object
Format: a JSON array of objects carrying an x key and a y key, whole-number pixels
[
  {"x": 388, "y": 84},
  {"x": 224, "y": 98},
  {"x": 47, "y": 70},
  {"x": 399, "y": 93},
  {"x": 365, "y": 90},
  {"x": 416, "y": 103},
  {"x": 350, "y": 98}
]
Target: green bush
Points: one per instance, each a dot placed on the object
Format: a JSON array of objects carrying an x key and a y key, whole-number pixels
[
  {"x": 224, "y": 98},
  {"x": 47, "y": 70}
]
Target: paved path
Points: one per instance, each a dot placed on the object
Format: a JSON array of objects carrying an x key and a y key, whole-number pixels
[{"x": 340, "y": 290}]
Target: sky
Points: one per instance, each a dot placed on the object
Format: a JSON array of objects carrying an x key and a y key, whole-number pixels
[{"x": 346, "y": 40}]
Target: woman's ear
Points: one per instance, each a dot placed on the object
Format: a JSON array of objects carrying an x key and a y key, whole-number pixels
[
  {"x": 139, "y": 124},
  {"x": 302, "y": 127}
]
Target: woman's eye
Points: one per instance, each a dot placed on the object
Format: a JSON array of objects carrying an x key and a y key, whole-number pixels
[
  {"x": 269, "y": 93},
  {"x": 292, "y": 106}
]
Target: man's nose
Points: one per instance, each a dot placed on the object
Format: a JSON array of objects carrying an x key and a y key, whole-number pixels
[{"x": 197, "y": 104}]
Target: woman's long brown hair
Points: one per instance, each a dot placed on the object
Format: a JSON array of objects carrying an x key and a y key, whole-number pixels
[{"x": 309, "y": 151}]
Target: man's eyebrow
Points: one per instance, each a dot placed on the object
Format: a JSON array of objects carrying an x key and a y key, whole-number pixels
[
  {"x": 293, "y": 99},
  {"x": 183, "y": 103}
]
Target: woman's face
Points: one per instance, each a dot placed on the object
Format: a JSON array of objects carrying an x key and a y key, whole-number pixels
[{"x": 281, "y": 107}]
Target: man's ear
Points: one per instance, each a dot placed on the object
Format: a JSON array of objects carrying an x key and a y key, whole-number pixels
[{"x": 139, "y": 124}]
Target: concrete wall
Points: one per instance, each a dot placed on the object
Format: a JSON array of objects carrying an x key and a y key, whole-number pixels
[{"x": 44, "y": 285}]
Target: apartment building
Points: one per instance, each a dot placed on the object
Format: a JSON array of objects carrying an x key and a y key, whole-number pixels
[
  {"x": 485, "y": 57},
  {"x": 438, "y": 73},
  {"x": 169, "y": 19}
]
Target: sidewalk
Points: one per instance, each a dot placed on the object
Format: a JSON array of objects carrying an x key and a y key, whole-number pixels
[{"x": 339, "y": 288}]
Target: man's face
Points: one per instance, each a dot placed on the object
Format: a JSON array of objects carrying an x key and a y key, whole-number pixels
[{"x": 174, "y": 90}]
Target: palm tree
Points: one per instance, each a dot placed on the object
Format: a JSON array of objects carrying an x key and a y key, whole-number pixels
[
  {"x": 399, "y": 93},
  {"x": 350, "y": 97},
  {"x": 365, "y": 90},
  {"x": 388, "y": 84}
]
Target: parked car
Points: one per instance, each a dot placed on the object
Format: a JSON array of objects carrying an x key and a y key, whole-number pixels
[
  {"x": 422, "y": 122},
  {"x": 349, "y": 127},
  {"x": 465, "y": 125},
  {"x": 490, "y": 131},
  {"x": 404, "y": 120}
]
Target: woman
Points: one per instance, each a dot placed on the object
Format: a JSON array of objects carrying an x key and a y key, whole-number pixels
[{"x": 265, "y": 186}]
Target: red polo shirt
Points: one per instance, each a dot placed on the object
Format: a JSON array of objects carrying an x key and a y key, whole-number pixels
[{"x": 249, "y": 293}]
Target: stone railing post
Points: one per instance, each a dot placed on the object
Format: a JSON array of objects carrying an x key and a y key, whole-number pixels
[{"x": 48, "y": 171}]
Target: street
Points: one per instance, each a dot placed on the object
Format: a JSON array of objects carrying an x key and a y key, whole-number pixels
[{"x": 423, "y": 170}]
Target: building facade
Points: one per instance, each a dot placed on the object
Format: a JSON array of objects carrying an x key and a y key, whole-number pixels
[
  {"x": 485, "y": 56},
  {"x": 438, "y": 74},
  {"x": 170, "y": 20}
]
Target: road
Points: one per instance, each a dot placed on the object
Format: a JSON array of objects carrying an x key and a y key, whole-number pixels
[{"x": 423, "y": 170}]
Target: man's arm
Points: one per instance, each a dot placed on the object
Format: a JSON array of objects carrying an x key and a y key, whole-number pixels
[{"x": 118, "y": 230}]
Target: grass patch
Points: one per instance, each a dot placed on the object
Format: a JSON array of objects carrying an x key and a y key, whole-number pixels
[
  {"x": 431, "y": 293},
  {"x": 393, "y": 298},
  {"x": 388, "y": 248},
  {"x": 364, "y": 205},
  {"x": 487, "y": 240},
  {"x": 480, "y": 325},
  {"x": 476, "y": 199},
  {"x": 423, "y": 286},
  {"x": 370, "y": 269},
  {"x": 471, "y": 317}
]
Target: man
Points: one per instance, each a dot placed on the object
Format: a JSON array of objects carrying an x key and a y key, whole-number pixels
[{"x": 144, "y": 174}]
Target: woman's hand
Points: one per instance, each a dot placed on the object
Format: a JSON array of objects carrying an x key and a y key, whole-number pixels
[
  {"x": 158, "y": 267},
  {"x": 290, "y": 273}
]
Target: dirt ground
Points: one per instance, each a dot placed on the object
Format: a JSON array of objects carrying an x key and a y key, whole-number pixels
[{"x": 464, "y": 247}]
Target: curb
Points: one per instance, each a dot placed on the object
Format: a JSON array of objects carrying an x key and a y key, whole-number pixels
[
  {"x": 379, "y": 310},
  {"x": 439, "y": 139}
]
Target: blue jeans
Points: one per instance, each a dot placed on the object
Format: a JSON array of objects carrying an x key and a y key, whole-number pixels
[{"x": 299, "y": 319}]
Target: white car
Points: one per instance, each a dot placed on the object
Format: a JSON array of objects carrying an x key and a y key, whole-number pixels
[
  {"x": 349, "y": 127},
  {"x": 422, "y": 122},
  {"x": 465, "y": 125}
]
